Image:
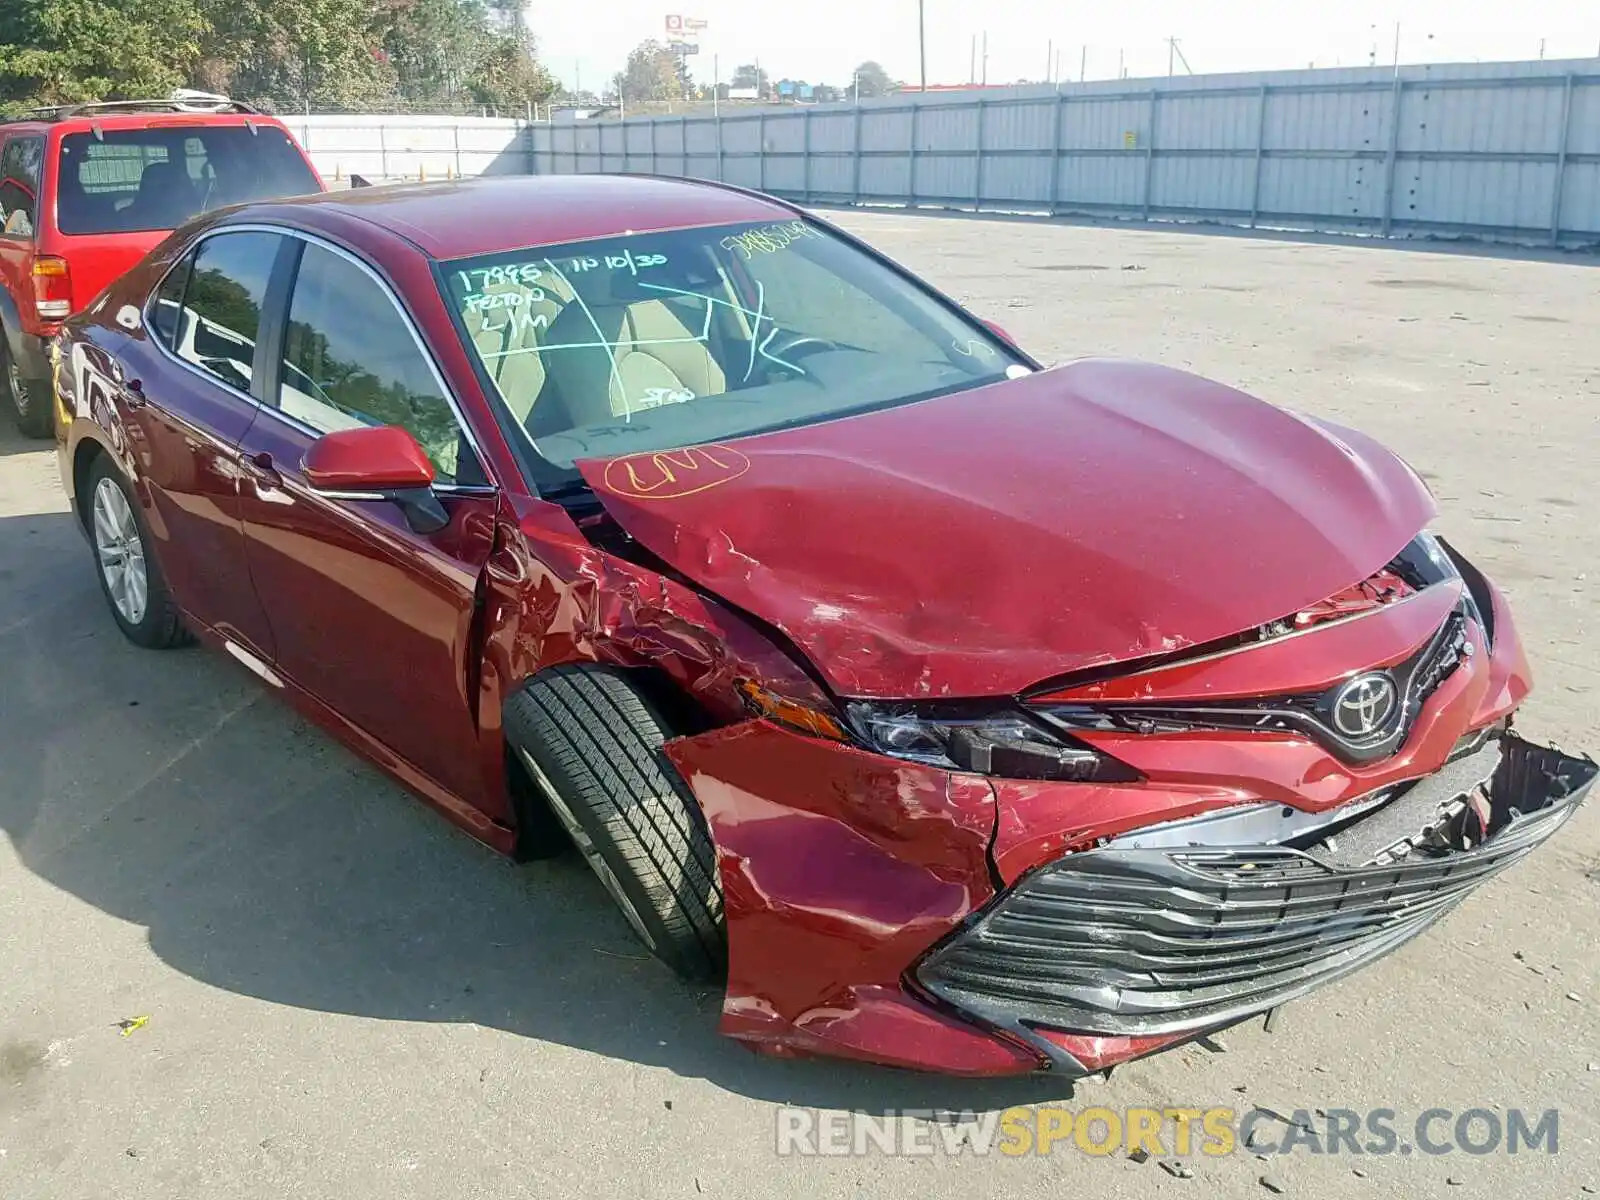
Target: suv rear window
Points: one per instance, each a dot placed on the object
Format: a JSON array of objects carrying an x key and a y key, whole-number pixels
[{"x": 133, "y": 180}]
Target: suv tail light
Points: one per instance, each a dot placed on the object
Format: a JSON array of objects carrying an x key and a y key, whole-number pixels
[{"x": 52, "y": 288}]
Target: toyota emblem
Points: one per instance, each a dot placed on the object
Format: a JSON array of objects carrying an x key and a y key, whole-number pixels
[{"x": 1364, "y": 705}]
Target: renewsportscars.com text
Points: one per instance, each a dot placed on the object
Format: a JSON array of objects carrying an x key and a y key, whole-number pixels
[{"x": 1213, "y": 1132}]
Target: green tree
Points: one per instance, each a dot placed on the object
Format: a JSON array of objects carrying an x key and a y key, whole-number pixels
[
  {"x": 368, "y": 54},
  {"x": 509, "y": 77},
  {"x": 62, "y": 51},
  {"x": 300, "y": 53},
  {"x": 748, "y": 75},
  {"x": 873, "y": 80},
  {"x": 654, "y": 72}
]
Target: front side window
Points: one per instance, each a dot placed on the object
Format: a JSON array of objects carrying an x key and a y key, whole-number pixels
[
  {"x": 218, "y": 320},
  {"x": 130, "y": 180},
  {"x": 350, "y": 360},
  {"x": 19, "y": 186},
  {"x": 651, "y": 341}
]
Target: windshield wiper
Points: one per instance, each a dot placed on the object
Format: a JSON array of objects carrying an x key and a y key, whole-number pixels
[{"x": 573, "y": 489}]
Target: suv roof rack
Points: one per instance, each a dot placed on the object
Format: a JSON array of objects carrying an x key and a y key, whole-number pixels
[{"x": 184, "y": 100}]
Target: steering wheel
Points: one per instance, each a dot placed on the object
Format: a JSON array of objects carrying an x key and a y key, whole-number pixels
[
  {"x": 801, "y": 344},
  {"x": 794, "y": 347}
]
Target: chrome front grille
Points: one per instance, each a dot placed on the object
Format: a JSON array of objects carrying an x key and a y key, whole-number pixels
[{"x": 1151, "y": 941}]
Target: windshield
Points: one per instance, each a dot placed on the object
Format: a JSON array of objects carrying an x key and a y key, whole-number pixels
[
  {"x": 142, "y": 180},
  {"x": 652, "y": 341}
]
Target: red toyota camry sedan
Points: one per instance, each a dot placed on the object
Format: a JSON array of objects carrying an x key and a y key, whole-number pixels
[{"x": 957, "y": 712}]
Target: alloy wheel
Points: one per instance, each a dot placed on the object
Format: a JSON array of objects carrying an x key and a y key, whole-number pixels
[
  {"x": 17, "y": 387},
  {"x": 120, "y": 550}
]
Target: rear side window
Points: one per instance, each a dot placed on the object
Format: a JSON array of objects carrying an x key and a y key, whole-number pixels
[
  {"x": 131, "y": 180},
  {"x": 216, "y": 323},
  {"x": 19, "y": 186}
]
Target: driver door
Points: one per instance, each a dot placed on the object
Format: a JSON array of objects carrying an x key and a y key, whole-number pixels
[{"x": 368, "y": 615}]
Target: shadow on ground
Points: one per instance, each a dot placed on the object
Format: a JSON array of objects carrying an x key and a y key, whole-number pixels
[{"x": 169, "y": 789}]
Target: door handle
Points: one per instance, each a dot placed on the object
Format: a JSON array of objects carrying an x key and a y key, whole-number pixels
[
  {"x": 259, "y": 467},
  {"x": 131, "y": 392}
]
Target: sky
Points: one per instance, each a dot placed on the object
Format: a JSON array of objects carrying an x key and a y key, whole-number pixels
[{"x": 821, "y": 41}]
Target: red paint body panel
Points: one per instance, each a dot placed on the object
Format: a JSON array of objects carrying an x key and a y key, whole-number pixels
[
  {"x": 371, "y": 617},
  {"x": 367, "y": 459},
  {"x": 1309, "y": 661},
  {"x": 839, "y": 868},
  {"x": 979, "y": 543},
  {"x": 481, "y": 216}
]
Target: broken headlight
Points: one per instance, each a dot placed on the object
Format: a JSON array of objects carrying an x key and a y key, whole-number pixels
[{"x": 1007, "y": 745}]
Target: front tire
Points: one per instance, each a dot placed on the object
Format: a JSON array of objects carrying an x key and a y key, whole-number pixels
[
  {"x": 28, "y": 399},
  {"x": 130, "y": 577},
  {"x": 592, "y": 744}
]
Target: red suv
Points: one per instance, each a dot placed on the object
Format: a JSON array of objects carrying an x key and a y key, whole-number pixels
[{"x": 87, "y": 189}]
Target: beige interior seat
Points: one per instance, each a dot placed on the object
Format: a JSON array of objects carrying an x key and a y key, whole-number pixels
[
  {"x": 657, "y": 346},
  {"x": 508, "y": 339}
]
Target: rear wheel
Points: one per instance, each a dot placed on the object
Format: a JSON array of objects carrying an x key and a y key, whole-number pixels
[
  {"x": 130, "y": 578},
  {"x": 28, "y": 399},
  {"x": 592, "y": 745}
]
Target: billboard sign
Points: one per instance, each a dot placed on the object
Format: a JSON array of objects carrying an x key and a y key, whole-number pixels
[{"x": 681, "y": 28}]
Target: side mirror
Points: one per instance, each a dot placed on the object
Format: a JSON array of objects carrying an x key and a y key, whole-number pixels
[
  {"x": 377, "y": 462},
  {"x": 360, "y": 181},
  {"x": 999, "y": 332}
]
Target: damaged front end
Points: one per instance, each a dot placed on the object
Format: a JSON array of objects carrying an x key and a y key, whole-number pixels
[
  {"x": 1104, "y": 868},
  {"x": 1177, "y": 930}
]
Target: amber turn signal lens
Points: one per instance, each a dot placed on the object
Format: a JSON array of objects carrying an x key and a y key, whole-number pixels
[{"x": 766, "y": 703}]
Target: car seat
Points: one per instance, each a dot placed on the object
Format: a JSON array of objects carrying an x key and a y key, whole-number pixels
[
  {"x": 166, "y": 198},
  {"x": 624, "y": 349}
]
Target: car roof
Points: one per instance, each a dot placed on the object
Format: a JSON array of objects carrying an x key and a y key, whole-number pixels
[
  {"x": 463, "y": 218},
  {"x": 113, "y": 121}
]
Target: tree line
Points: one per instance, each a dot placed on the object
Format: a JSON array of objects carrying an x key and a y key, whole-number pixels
[
  {"x": 279, "y": 54},
  {"x": 656, "y": 71}
]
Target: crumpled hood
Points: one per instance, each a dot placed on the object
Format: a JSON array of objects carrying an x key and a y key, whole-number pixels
[{"x": 979, "y": 543}]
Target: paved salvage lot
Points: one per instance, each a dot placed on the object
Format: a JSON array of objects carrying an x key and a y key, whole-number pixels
[{"x": 346, "y": 998}]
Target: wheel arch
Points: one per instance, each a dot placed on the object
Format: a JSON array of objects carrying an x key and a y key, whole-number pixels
[
  {"x": 539, "y": 834},
  {"x": 84, "y": 455}
]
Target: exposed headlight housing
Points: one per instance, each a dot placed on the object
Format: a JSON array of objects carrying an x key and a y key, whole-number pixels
[{"x": 1004, "y": 744}]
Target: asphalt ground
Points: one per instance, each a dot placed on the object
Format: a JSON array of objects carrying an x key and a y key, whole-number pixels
[{"x": 347, "y": 998}]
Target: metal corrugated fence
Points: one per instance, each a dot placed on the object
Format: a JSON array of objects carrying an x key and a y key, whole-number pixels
[{"x": 1501, "y": 152}]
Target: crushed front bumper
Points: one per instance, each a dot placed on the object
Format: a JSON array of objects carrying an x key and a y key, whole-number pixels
[
  {"x": 871, "y": 915},
  {"x": 1144, "y": 945}
]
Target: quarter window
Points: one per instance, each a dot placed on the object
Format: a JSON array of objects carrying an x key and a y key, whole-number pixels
[
  {"x": 351, "y": 360},
  {"x": 166, "y": 313},
  {"x": 19, "y": 186},
  {"x": 220, "y": 318}
]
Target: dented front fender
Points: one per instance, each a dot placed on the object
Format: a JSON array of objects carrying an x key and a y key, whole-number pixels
[{"x": 839, "y": 870}]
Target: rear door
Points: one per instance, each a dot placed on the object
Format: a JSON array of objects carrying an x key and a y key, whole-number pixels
[
  {"x": 20, "y": 158},
  {"x": 196, "y": 367},
  {"x": 370, "y": 616}
]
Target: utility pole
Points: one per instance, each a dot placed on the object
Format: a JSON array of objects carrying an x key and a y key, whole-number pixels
[
  {"x": 972, "y": 63},
  {"x": 984, "y": 78},
  {"x": 716, "y": 85},
  {"x": 1049, "y": 61},
  {"x": 1397, "y": 47},
  {"x": 922, "y": 42},
  {"x": 1083, "y": 65}
]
